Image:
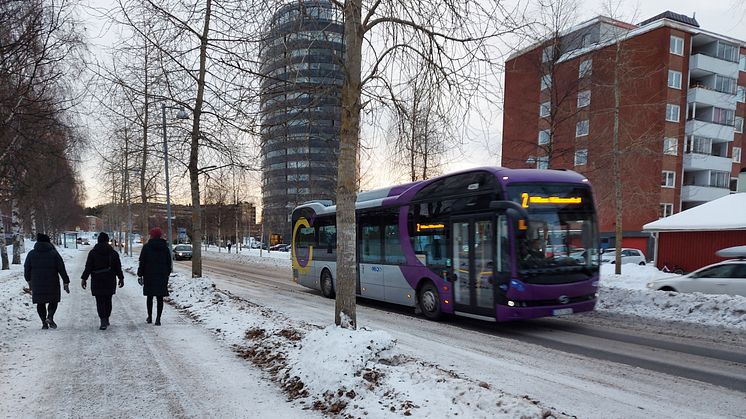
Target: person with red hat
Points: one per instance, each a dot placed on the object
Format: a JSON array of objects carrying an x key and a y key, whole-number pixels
[{"x": 153, "y": 272}]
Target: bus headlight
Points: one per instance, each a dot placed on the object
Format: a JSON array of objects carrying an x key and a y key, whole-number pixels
[{"x": 511, "y": 303}]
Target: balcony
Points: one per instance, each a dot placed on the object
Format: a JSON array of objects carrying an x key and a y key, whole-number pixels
[
  {"x": 709, "y": 97},
  {"x": 701, "y": 193},
  {"x": 709, "y": 130},
  {"x": 701, "y": 65},
  {"x": 694, "y": 161}
]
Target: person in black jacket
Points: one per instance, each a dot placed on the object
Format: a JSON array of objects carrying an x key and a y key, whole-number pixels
[
  {"x": 42, "y": 270},
  {"x": 104, "y": 267},
  {"x": 153, "y": 272}
]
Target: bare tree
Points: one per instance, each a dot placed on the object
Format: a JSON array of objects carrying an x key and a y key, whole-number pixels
[{"x": 453, "y": 36}]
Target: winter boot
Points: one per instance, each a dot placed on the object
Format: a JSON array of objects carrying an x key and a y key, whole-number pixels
[
  {"x": 51, "y": 323},
  {"x": 107, "y": 322},
  {"x": 149, "y": 320},
  {"x": 157, "y": 322},
  {"x": 103, "y": 324},
  {"x": 44, "y": 325}
]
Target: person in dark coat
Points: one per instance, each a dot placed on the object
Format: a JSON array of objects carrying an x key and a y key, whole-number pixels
[
  {"x": 42, "y": 270},
  {"x": 153, "y": 272},
  {"x": 104, "y": 267}
]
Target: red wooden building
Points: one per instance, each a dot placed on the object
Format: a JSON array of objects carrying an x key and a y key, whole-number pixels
[{"x": 690, "y": 238}]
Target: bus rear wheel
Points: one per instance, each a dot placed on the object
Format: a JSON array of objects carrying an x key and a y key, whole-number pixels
[
  {"x": 327, "y": 285},
  {"x": 429, "y": 301}
]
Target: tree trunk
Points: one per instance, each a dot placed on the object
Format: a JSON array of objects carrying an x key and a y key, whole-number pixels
[
  {"x": 616, "y": 175},
  {"x": 15, "y": 227},
  {"x": 144, "y": 213},
  {"x": 344, "y": 312},
  {"x": 3, "y": 248},
  {"x": 194, "y": 150}
]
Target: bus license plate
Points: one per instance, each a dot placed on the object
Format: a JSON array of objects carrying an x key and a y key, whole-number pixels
[{"x": 561, "y": 311}]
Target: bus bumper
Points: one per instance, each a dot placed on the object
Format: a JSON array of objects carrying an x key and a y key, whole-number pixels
[{"x": 505, "y": 313}]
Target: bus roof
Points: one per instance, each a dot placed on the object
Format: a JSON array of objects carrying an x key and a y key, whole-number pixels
[{"x": 398, "y": 194}]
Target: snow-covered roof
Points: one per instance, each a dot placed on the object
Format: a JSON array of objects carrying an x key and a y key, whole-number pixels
[{"x": 726, "y": 213}]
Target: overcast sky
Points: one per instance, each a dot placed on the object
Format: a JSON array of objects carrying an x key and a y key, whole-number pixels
[{"x": 727, "y": 17}]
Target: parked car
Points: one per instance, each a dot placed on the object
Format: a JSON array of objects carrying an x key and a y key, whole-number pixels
[
  {"x": 278, "y": 247},
  {"x": 628, "y": 256},
  {"x": 83, "y": 241},
  {"x": 728, "y": 277},
  {"x": 183, "y": 251},
  {"x": 284, "y": 248}
]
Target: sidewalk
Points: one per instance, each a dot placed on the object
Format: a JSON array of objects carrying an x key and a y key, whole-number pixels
[{"x": 133, "y": 369}]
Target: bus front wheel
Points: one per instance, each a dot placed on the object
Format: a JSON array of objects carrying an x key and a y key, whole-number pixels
[
  {"x": 327, "y": 285},
  {"x": 429, "y": 301}
]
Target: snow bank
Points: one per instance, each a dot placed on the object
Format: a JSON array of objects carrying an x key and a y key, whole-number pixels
[
  {"x": 340, "y": 371},
  {"x": 633, "y": 277},
  {"x": 251, "y": 257},
  {"x": 713, "y": 310},
  {"x": 627, "y": 294}
]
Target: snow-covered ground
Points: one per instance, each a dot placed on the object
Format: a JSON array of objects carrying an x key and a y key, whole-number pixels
[
  {"x": 627, "y": 294},
  {"x": 338, "y": 371},
  {"x": 130, "y": 370}
]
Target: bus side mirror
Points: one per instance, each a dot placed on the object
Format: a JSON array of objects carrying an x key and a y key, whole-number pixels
[{"x": 516, "y": 213}]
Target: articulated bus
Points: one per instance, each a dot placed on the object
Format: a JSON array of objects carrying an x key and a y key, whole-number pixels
[{"x": 489, "y": 243}]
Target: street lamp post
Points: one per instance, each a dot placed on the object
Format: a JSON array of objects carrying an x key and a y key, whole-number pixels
[{"x": 181, "y": 115}]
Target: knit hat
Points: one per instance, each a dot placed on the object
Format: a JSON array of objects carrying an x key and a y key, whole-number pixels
[
  {"x": 103, "y": 237},
  {"x": 156, "y": 233},
  {"x": 43, "y": 238}
]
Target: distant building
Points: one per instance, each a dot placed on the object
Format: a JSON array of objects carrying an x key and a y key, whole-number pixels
[
  {"x": 93, "y": 223},
  {"x": 300, "y": 109},
  {"x": 681, "y": 117}
]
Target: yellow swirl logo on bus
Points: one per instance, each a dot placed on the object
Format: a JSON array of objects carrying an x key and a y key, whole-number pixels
[{"x": 303, "y": 265}]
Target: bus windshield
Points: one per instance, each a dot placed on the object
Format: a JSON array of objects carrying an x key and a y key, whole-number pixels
[{"x": 562, "y": 232}]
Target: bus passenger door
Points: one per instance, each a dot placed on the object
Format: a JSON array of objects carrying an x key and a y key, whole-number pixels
[{"x": 473, "y": 267}]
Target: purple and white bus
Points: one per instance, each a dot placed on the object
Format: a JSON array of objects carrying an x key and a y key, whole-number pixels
[{"x": 489, "y": 243}]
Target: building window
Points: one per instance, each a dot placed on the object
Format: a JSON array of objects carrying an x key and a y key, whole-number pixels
[
  {"x": 542, "y": 163},
  {"x": 581, "y": 157},
  {"x": 670, "y": 146},
  {"x": 738, "y": 126},
  {"x": 672, "y": 112},
  {"x": 669, "y": 179},
  {"x": 725, "y": 84},
  {"x": 544, "y": 137},
  {"x": 699, "y": 145},
  {"x": 546, "y": 81},
  {"x": 582, "y": 128},
  {"x": 736, "y": 154},
  {"x": 723, "y": 116},
  {"x": 585, "y": 41},
  {"x": 547, "y": 54},
  {"x": 585, "y": 69},
  {"x": 734, "y": 184},
  {"x": 727, "y": 52},
  {"x": 584, "y": 98},
  {"x": 741, "y": 94},
  {"x": 742, "y": 63},
  {"x": 666, "y": 210},
  {"x": 719, "y": 179},
  {"x": 677, "y": 45},
  {"x": 545, "y": 109},
  {"x": 674, "y": 79}
]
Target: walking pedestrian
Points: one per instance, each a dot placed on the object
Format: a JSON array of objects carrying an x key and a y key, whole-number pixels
[
  {"x": 153, "y": 272},
  {"x": 229, "y": 246},
  {"x": 42, "y": 270},
  {"x": 104, "y": 267}
]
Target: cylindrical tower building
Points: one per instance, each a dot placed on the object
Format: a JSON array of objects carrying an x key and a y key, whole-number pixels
[{"x": 300, "y": 109}]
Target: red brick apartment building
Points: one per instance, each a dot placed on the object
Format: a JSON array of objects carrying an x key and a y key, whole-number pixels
[{"x": 681, "y": 108}]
